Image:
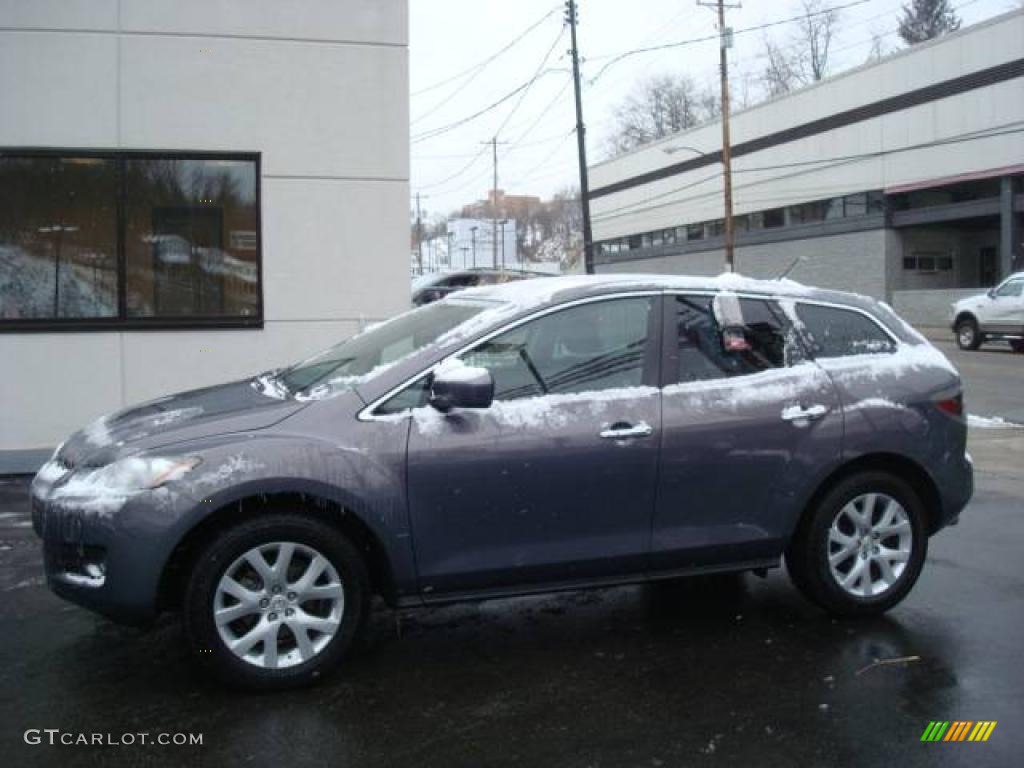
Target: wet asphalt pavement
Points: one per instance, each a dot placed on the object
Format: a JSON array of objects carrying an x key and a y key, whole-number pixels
[{"x": 714, "y": 671}]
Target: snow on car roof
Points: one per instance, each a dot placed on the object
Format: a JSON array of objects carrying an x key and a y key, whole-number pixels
[{"x": 543, "y": 289}]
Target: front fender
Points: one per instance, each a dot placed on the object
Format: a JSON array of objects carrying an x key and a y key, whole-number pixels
[{"x": 370, "y": 485}]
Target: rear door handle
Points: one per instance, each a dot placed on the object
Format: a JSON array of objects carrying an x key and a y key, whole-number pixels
[
  {"x": 621, "y": 430},
  {"x": 799, "y": 413}
]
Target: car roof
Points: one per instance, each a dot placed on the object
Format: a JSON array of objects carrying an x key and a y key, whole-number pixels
[{"x": 544, "y": 290}]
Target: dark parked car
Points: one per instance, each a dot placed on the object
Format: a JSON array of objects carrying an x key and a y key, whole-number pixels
[
  {"x": 428, "y": 288},
  {"x": 542, "y": 435}
]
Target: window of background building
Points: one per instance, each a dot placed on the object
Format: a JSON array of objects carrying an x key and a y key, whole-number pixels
[
  {"x": 58, "y": 238},
  {"x": 186, "y": 241},
  {"x": 715, "y": 228},
  {"x": 774, "y": 217},
  {"x": 695, "y": 232},
  {"x": 807, "y": 213}
]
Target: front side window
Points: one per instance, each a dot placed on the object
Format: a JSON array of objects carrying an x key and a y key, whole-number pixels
[
  {"x": 701, "y": 350},
  {"x": 592, "y": 347},
  {"x": 128, "y": 238},
  {"x": 836, "y": 332}
]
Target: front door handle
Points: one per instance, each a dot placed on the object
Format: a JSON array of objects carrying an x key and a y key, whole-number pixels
[
  {"x": 799, "y": 413},
  {"x": 621, "y": 430}
]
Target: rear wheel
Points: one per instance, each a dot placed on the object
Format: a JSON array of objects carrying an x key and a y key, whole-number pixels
[
  {"x": 967, "y": 334},
  {"x": 275, "y": 602},
  {"x": 862, "y": 548}
]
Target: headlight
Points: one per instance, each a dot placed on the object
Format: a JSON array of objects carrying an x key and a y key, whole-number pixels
[{"x": 134, "y": 474}]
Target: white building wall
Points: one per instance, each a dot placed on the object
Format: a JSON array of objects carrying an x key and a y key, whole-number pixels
[
  {"x": 697, "y": 195},
  {"x": 319, "y": 89}
]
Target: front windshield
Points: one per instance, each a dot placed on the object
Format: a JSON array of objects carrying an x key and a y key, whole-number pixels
[{"x": 368, "y": 353}]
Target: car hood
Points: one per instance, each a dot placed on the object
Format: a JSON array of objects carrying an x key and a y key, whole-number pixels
[
  {"x": 971, "y": 301},
  {"x": 225, "y": 408}
]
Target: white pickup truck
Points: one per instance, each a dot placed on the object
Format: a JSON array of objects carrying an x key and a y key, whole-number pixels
[{"x": 997, "y": 314}]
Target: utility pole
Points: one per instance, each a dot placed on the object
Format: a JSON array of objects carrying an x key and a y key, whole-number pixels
[
  {"x": 724, "y": 43},
  {"x": 581, "y": 142},
  {"x": 472, "y": 232},
  {"x": 494, "y": 200},
  {"x": 419, "y": 235}
]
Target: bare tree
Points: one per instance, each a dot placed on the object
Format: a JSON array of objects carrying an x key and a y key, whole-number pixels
[
  {"x": 780, "y": 74},
  {"x": 817, "y": 28},
  {"x": 925, "y": 19},
  {"x": 879, "y": 50},
  {"x": 804, "y": 57},
  {"x": 662, "y": 105}
]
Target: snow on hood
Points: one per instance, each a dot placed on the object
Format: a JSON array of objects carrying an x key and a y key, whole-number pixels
[{"x": 236, "y": 406}]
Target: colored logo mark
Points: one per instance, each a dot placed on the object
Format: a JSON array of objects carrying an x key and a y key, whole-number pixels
[{"x": 958, "y": 730}]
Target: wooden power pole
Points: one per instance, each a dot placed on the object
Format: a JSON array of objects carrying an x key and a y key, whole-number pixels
[
  {"x": 581, "y": 143},
  {"x": 724, "y": 43}
]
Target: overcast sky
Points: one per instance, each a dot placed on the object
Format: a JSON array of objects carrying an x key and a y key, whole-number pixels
[{"x": 449, "y": 37}]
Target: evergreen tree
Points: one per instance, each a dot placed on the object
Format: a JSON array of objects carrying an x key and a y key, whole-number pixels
[{"x": 925, "y": 19}]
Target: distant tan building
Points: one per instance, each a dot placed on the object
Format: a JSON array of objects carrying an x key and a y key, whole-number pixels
[{"x": 508, "y": 206}]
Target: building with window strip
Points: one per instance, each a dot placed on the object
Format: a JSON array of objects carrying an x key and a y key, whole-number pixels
[
  {"x": 190, "y": 193},
  {"x": 903, "y": 180}
]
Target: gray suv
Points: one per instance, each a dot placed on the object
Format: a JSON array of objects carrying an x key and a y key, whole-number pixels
[{"x": 549, "y": 434}]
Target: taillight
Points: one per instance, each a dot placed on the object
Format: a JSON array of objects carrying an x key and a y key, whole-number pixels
[{"x": 954, "y": 406}]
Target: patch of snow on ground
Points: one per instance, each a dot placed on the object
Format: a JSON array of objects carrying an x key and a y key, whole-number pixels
[{"x": 991, "y": 422}]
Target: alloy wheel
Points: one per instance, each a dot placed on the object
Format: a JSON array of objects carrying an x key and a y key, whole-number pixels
[
  {"x": 869, "y": 544},
  {"x": 278, "y": 605}
]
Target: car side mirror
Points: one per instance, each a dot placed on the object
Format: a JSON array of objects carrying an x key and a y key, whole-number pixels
[
  {"x": 462, "y": 387},
  {"x": 991, "y": 293}
]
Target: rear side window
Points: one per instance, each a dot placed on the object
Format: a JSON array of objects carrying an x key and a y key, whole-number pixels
[
  {"x": 838, "y": 332},
  {"x": 700, "y": 350}
]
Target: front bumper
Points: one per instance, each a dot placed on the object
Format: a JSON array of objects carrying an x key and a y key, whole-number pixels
[{"x": 107, "y": 560}]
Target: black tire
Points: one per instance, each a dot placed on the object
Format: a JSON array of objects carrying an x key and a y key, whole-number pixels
[
  {"x": 223, "y": 551},
  {"x": 807, "y": 557},
  {"x": 967, "y": 334},
  {"x": 1017, "y": 345}
]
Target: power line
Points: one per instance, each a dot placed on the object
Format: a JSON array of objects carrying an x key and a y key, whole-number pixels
[
  {"x": 479, "y": 66},
  {"x": 440, "y": 130},
  {"x": 616, "y": 58},
  {"x": 522, "y": 97}
]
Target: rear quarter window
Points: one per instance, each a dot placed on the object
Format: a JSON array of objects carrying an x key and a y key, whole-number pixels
[{"x": 836, "y": 332}]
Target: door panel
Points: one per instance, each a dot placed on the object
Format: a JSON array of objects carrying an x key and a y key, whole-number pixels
[
  {"x": 528, "y": 490},
  {"x": 742, "y": 437}
]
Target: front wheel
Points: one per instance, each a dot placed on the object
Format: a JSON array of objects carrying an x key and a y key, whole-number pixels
[
  {"x": 275, "y": 602},
  {"x": 967, "y": 334},
  {"x": 862, "y": 547}
]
